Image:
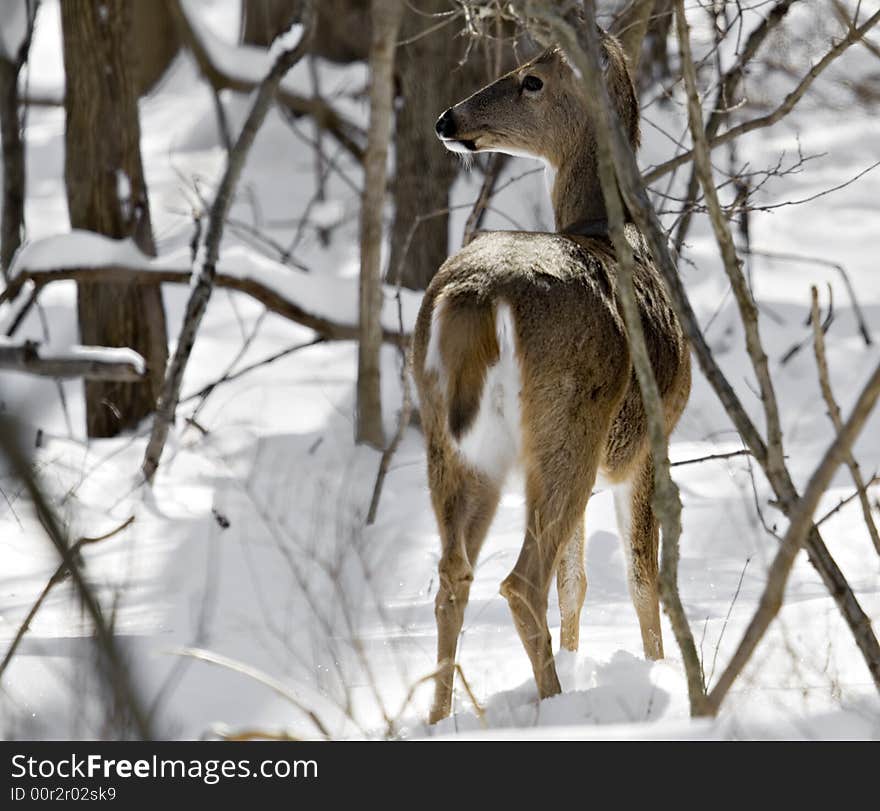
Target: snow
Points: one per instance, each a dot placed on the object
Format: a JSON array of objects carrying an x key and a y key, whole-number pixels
[
  {"x": 286, "y": 41},
  {"x": 78, "y": 249},
  {"x": 293, "y": 583},
  {"x": 335, "y": 300},
  {"x": 107, "y": 354}
]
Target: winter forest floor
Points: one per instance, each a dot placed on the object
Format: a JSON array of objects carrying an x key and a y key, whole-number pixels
[{"x": 253, "y": 545}]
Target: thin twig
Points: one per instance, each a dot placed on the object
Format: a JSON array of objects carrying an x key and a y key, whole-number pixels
[
  {"x": 712, "y": 456},
  {"x": 257, "y": 675},
  {"x": 780, "y": 112},
  {"x": 493, "y": 170},
  {"x": 229, "y": 377},
  {"x": 836, "y": 419},
  {"x": 844, "y": 501},
  {"x": 799, "y": 527},
  {"x": 117, "y": 670},
  {"x": 61, "y": 573}
]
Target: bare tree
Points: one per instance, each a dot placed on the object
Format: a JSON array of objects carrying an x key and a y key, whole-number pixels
[
  {"x": 386, "y": 23},
  {"x": 434, "y": 70},
  {"x": 207, "y": 273},
  {"x": 11, "y": 126},
  {"x": 342, "y": 27},
  {"x": 106, "y": 193}
]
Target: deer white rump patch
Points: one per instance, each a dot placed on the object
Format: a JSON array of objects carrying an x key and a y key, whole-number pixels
[
  {"x": 493, "y": 442},
  {"x": 433, "y": 362}
]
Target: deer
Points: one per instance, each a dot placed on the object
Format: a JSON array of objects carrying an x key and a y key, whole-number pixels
[{"x": 520, "y": 359}]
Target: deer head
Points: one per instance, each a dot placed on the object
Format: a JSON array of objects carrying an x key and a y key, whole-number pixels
[{"x": 539, "y": 109}]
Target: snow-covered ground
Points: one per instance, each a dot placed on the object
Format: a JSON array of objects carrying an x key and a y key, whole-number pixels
[{"x": 252, "y": 544}]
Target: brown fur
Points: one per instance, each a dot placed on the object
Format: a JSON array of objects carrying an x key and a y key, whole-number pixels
[
  {"x": 468, "y": 347},
  {"x": 581, "y": 410}
]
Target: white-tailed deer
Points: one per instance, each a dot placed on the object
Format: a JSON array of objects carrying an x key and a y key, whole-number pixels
[{"x": 521, "y": 358}]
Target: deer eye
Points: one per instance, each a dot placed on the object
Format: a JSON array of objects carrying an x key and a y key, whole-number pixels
[{"x": 532, "y": 83}]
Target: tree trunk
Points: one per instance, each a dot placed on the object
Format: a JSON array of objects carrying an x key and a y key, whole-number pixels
[
  {"x": 431, "y": 79},
  {"x": 342, "y": 32},
  {"x": 263, "y": 20},
  {"x": 386, "y": 23},
  {"x": 106, "y": 193},
  {"x": 12, "y": 227},
  {"x": 13, "y": 165},
  {"x": 155, "y": 40}
]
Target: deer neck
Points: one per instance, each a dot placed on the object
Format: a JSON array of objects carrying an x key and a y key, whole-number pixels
[{"x": 576, "y": 193}]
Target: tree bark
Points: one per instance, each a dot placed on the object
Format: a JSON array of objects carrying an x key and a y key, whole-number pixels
[
  {"x": 13, "y": 165},
  {"x": 386, "y": 23},
  {"x": 263, "y": 20},
  {"x": 12, "y": 228},
  {"x": 431, "y": 78},
  {"x": 106, "y": 193},
  {"x": 342, "y": 27}
]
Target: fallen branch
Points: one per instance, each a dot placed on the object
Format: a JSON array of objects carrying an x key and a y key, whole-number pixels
[{"x": 27, "y": 358}]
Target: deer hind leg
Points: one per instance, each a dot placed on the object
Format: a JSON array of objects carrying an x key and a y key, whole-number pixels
[
  {"x": 571, "y": 586},
  {"x": 639, "y": 534},
  {"x": 556, "y": 498},
  {"x": 465, "y": 504}
]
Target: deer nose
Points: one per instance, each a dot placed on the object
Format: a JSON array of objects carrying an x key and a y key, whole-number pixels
[{"x": 445, "y": 126}]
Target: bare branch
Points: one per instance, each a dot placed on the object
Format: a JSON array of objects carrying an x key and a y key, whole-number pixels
[
  {"x": 201, "y": 293},
  {"x": 61, "y": 573},
  {"x": 348, "y": 134},
  {"x": 113, "y": 660},
  {"x": 836, "y": 419},
  {"x": 27, "y": 358},
  {"x": 496, "y": 163},
  {"x": 795, "y": 537},
  {"x": 776, "y": 115},
  {"x": 268, "y": 296},
  {"x": 747, "y": 309},
  {"x": 667, "y": 502}
]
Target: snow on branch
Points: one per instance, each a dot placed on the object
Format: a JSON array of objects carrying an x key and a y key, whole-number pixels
[
  {"x": 88, "y": 362},
  {"x": 242, "y": 67},
  {"x": 329, "y": 306}
]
